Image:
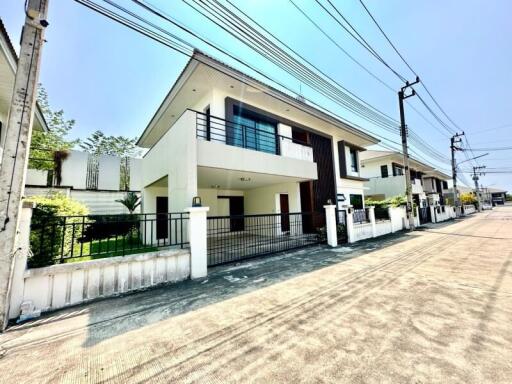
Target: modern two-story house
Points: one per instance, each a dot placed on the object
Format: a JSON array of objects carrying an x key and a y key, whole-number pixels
[
  {"x": 247, "y": 148},
  {"x": 385, "y": 173}
]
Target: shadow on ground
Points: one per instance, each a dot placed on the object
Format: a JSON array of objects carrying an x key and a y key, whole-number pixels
[{"x": 114, "y": 316}]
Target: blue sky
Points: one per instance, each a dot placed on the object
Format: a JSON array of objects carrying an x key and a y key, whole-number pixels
[{"x": 112, "y": 79}]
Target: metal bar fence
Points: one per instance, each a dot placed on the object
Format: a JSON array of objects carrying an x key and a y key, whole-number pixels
[
  {"x": 213, "y": 128},
  {"x": 233, "y": 238},
  {"x": 361, "y": 216},
  {"x": 62, "y": 239}
]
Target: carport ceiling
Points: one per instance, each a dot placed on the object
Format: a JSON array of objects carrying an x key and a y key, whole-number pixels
[{"x": 229, "y": 179}]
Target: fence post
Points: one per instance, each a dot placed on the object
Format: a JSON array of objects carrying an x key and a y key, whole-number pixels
[
  {"x": 392, "y": 218},
  {"x": 20, "y": 262},
  {"x": 350, "y": 225},
  {"x": 371, "y": 217},
  {"x": 197, "y": 235},
  {"x": 330, "y": 224}
]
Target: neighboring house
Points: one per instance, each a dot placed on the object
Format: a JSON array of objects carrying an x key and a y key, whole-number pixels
[
  {"x": 385, "y": 173},
  {"x": 247, "y": 148},
  {"x": 8, "y": 65},
  {"x": 497, "y": 196},
  {"x": 96, "y": 181}
]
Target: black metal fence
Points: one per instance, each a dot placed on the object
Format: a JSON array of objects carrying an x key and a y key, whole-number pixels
[
  {"x": 212, "y": 128},
  {"x": 381, "y": 213},
  {"x": 361, "y": 216},
  {"x": 232, "y": 238},
  {"x": 60, "y": 239},
  {"x": 425, "y": 215}
]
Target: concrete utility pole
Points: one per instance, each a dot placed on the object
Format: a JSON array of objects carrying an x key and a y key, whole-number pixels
[
  {"x": 405, "y": 150},
  {"x": 455, "y": 139},
  {"x": 17, "y": 143},
  {"x": 475, "y": 179}
]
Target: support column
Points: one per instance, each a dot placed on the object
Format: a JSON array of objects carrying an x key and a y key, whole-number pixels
[
  {"x": 371, "y": 217},
  {"x": 350, "y": 225},
  {"x": 392, "y": 217},
  {"x": 197, "y": 235},
  {"x": 330, "y": 223}
]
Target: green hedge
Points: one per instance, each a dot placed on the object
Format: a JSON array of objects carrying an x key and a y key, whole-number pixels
[
  {"x": 49, "y": 238},
  {"x": 395, "y": 201}
]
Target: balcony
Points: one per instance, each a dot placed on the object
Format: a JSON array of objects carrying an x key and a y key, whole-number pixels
[{"x": 229, "y": 145}]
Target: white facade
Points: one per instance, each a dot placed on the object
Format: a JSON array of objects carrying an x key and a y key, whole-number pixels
[
  {"x": 384, "y": 169},
  {"x": 189, "y": 155}
]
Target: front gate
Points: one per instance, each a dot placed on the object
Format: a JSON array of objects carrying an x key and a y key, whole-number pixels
[
  {"x": 259, "y": 235},
  {"x": 425, "y": 216}
]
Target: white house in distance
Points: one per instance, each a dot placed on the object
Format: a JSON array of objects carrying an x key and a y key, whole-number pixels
[
  {"x": 96, "y": 181},
  {"x": 385, "y": 173},
  {"x": 244, "y": 147},
  {"x": 8, "y": 65}
]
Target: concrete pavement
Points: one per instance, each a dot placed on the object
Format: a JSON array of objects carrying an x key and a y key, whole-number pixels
[{"x": 432, "y": 306}]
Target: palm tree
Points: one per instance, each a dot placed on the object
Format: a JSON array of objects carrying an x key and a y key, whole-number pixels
[{"x": 131, "y": 201}]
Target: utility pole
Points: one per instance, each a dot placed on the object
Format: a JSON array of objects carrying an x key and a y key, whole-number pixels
[
  {"x": 405, "y": 150},
  {"x": 455, "y": 139},
  {"x": 17, "y": 143},
  {"x": 475, "y": 179}
]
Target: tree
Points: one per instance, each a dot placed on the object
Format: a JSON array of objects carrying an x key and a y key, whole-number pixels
[
  {"x": 49, "y": 149},
  {"x": 100, "y": 144},
  {"x": 468, "y": 198},
  {"x": 131, "y": 201}
]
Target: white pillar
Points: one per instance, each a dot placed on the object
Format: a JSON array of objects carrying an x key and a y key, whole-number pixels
[
  {"x": 350, "y": 225},
  {"x": 392, "y": 217},
  {"x": 197, "y": 235},
  {"x": 371, "y": 217},
  {"x": 330, "y": 223},
  {"x": 20, "y": 261}
]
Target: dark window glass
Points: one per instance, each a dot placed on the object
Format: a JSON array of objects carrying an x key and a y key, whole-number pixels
[
  {"x": 384, "y": 170},
  {"x": 356, "y": 201},
  {"x": 397, "y": 170},
  {"x": 249, "y": 131},
  {"x": 353, "y": 160},
  {"x": 445, "y": 184}
]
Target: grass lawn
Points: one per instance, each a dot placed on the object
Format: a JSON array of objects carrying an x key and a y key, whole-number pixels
[{"x": 100, "y": 249}]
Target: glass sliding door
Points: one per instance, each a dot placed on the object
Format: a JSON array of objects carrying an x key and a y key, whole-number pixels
[{"x": 248, "y": 130}]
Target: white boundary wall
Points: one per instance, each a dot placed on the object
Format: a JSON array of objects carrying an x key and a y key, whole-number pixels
[{"x": 63, "y": 285}]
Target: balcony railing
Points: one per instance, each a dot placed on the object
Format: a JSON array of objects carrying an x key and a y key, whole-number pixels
[{"x": 212, "y": 128}]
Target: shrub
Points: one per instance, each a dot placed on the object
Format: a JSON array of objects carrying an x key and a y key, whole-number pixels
[
  {"x": 341, "y": 231},
  {"x": 106, "y": 226},
  {"x": 468, "y": 198},
  {"x": 395, "y": 201},
  {"x": 49, "y": 237}
]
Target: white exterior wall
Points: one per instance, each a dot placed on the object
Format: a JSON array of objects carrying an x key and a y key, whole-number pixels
[
  {"x": 348, "y": 187},
  {"x": 63, "y": 285},
  {"x": 266, "y": 199},
  {"x": 175, "y": 156},
  {"x": 37, "y": 177},
  {"x": 218, "y": 207},
  {"x": 109, "y": 173},
  {"x": 74, "y": 170},
  {"x": 135, "y": 174}
]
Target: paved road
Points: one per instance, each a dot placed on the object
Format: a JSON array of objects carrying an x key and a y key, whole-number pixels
[{"x": 430, "y": 307}]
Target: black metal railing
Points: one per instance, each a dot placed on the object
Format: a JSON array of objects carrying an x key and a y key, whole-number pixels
[
  {"x": 381, "y": 213},
  {"x": 60, "y": 239},
  {"x": 425, "y": 215},
  {"x": 361, "y": 216},
  {"x": 233, "y": 238},
  {"x": 212, "y": 128}
]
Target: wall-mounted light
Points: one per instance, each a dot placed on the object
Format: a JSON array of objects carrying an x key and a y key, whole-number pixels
[
  {"x": 196, "y": 202},
  {"x": 245, "y": 179}
]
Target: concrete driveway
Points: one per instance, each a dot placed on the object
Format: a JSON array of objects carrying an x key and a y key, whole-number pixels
[{"x": 432, "y": 306}]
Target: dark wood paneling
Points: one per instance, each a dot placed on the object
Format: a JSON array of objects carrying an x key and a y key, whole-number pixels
[{"x": 342, "y": 159}]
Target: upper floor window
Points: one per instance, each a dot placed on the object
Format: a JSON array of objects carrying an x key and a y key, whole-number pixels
[
  {"x": 445, "y": 184},
  {"x": 398, "y": 170},
  {"x": 353, "y": 160},
  {"x": 251, "y": 130},
  {"x": 384, "y": 170}
]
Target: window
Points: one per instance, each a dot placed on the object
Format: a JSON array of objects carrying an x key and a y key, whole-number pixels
[
  {"x": 356, "y": 201},
  {"x": 445, "y": 184},
  {"x": 353, "y": 160},
  {"x": 250, "y": 130},
  {"x": 384, "y": 170},
  {"x": 398, "y": 170}
]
